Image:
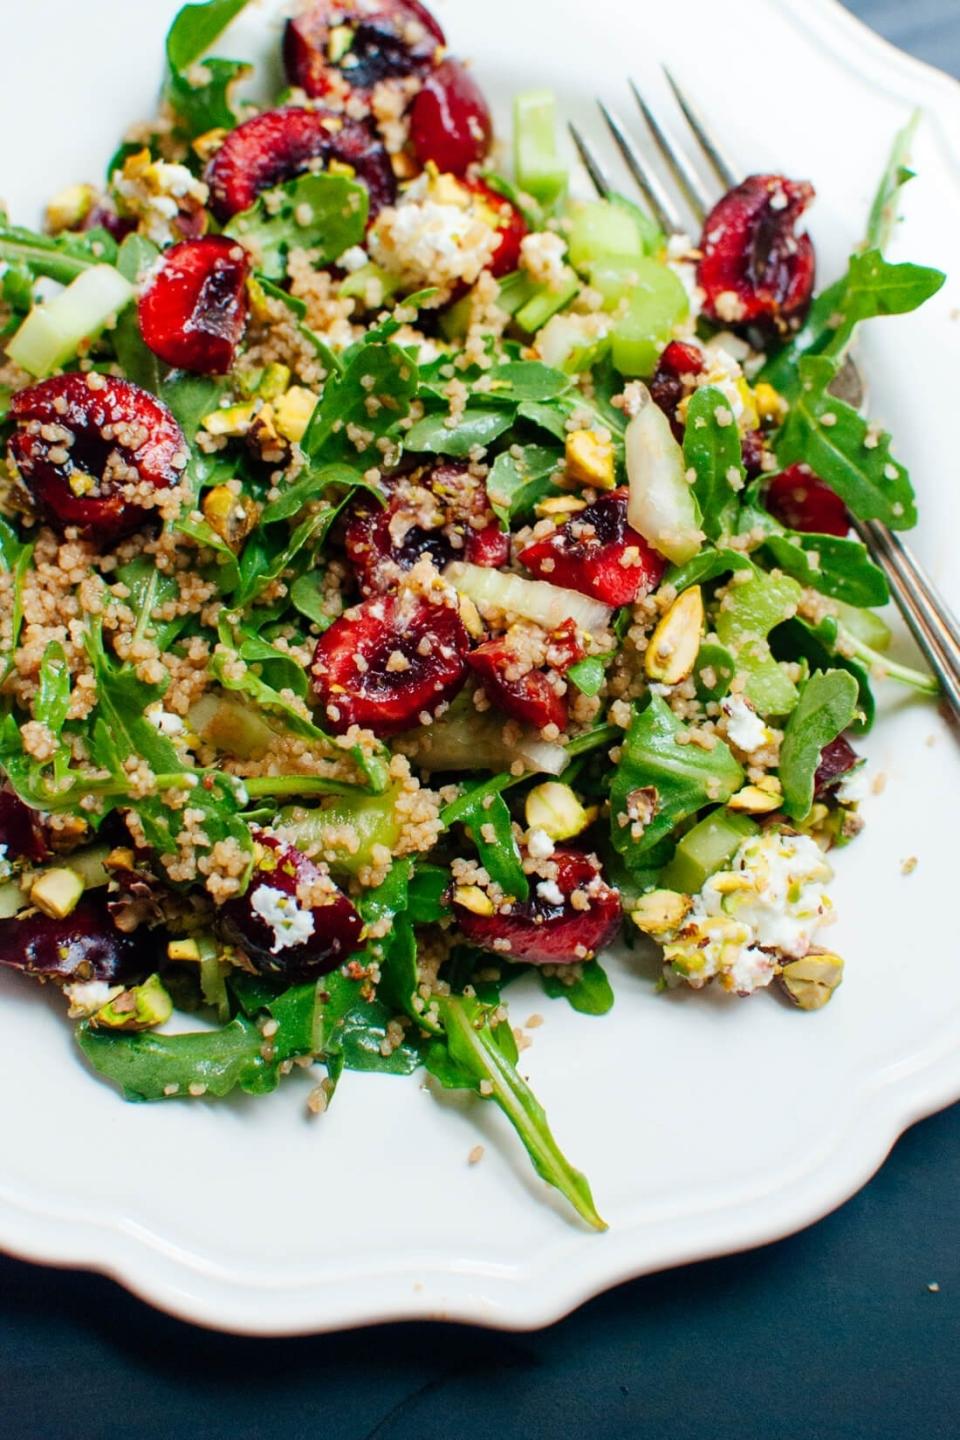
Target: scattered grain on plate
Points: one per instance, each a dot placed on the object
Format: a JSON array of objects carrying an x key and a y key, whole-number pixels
[
  {"x": 476, "y": 1155},
  {"x": 908, "y": 866}
]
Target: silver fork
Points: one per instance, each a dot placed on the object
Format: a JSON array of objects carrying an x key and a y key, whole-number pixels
[{"x": 926, "y": 613}]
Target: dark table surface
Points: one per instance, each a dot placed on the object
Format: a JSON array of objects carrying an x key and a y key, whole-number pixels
[{"x": 850, "y": 1330}]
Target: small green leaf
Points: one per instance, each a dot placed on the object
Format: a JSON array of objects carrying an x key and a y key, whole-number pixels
[
  {"x": 835, "y": 566},
  {"x": 713, "y": 452},
  {"x": 588, "y": 675},
  {"x": 323, "y": 213},
  {"x": 372, "y": 394},
  {"x": 517, "y": 482},
  {"x": 195, "y": 27},
  {"x": 827, "y": 705},
  {"x": 589, "y": 994},
  {"x": 473, "y": 428}
]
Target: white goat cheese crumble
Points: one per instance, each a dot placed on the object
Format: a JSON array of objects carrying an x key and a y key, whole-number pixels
[
  {"x": 745, "y": 729},
  {"x": 290, "y": 922}
]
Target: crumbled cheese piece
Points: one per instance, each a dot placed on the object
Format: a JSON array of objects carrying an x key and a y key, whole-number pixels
[
  {"x": 745, "y": 729},
  {"x": 550, "y": 891},
  {"x": 353, "y": 259},
  {"x": 854, "y": 787},
  {"x": 90, "y": 996},
  {"x": 539, "y": 845},
  {"x": 290, "y": 922},
  {"x": 165, "y": 721},
  {"x": 430, "y": 243},
  {"x": 542, "y": 256}
]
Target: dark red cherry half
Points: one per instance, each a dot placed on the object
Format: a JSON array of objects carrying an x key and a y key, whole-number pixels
[
  {"x": 757, "y": 269},
  {"x": 193, "y": 312},
  {"x": 79, "y": 438},
  {"x": 598, "y": 553},
  {"x": 450, "y": 122},
  {"x": 339, "y": 47}
]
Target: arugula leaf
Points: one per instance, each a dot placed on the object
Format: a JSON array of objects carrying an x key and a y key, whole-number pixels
[
  {"x": 195, "y": 27},
  {"x": 516, "y": 483},
  {"x": 521, "y": 380},
  {"x": 266, "y": 555},
  {"x": 474, "y": 427},
  {"x": 545, "y": 417},
  {"x": 137, "y": 360},
  {"x": 308, "y": 596},
  {"x": 500, "y": 856},
  {"x": 477, "y": 1059},
  {"x": 272, "y": 227},
  {"x": 588, "y": 674},
  {"x": 838, "y": 567},
  {"x": 206, "y": 105},
  {"x": 226, "y": 573},
  {"x": 713, "y": 452},
  {"x": 797, "y": 639},
  {"x": 710, "y": 564},
  {"x": 56, "y": 257},
  {"x": 896, "y": 173},
  {"x": 680, "y": 779},
  {"x": 827, "y": 705},
  {"x": 311, "y": 487},
  {"x": 149, "y": 1066},
  {"x": 874, "y": 287},
  {"x": 590, "y": 994},
  {"x": 373, "y": 393},
  {"x": 829, "y": 436}
]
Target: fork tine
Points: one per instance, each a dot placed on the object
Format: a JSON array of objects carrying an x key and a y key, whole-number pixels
[
  {"x": 592, "y": 165},
  {"x": 664, "y": 211},
  {"x": 723, "y": 169},
  {"x": 688, "y": 181}
]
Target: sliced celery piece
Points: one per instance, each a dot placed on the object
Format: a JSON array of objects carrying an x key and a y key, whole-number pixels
[
  {"x": 53, "y": 331},
  {"x": 515, "y": 290},
  {"x": 354, "y": 287},
  {"x": 705, "y": 849},
  {"x": 537, "y": 164},
  {"x": 658, "y": 304},
  {"x": 545, "y": 304},
  {"x": 610, "y": 232}
]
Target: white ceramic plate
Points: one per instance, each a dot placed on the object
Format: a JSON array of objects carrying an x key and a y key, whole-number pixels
[{"x": 705, "y": 1124}]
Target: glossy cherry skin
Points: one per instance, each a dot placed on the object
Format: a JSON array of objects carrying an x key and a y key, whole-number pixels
[
  {"x": 389, "y": 40},
  {"x": 84, "y": 946},
  {"x": 442, "y": 511},
  {"x": 103, "y": 426},
  {"x": 322, "y": 936},
  {"x": 21, "y": 833},
  {"x": 540, "y": 932},
  {"x": 674, "y": 379},
  {"x": 388, "y": 662},
  {"x": 589, "y": 551},
  {"x": 531, "y": 695},
  {"x": 279, "y": 144},
  {"x": 756, "y": 268},
  {"x": 800, "y": 500},
  {"x": 450, "y": 122},
  {"x": 193, "y": 312}
]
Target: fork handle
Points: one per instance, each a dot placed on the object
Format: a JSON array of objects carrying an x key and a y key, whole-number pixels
[{"x": 927, "y": 614}]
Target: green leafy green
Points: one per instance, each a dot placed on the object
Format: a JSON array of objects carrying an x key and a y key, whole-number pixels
[
  {"x": 663, "y": 779},
  {"x": 521, "y": 380},
  {"x": 709, "y": 565},
  {"x": 137, "y": 360},
  {"x": 712, "y": 451},
  {"x": 588, "y": 674},
  {"x": 57, "y": 257},
  {"x": 590, "y": 993},
  {"x": 817, "y": 646},
  {"x": 838, "y": 567},
  {"x": 747, "y": 614},
  {"x": 474, "y": 427},
  {"x": 827, "y": 705},
  {"x": 195, "y": 27},
  {"x": 200, "y": 94},
  {"x": 471, "y": 1058},
  {"x": 517, "y": 482},
  {"x": 325, "y": 213},
  {"x": 841, "y": 447},
  {"x": 479, "y": 809},
  {"x": 372, "y": 394}
]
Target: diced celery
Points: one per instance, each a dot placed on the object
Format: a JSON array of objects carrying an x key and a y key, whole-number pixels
[
  {"x": 705, "y": 849},
  {"x": 564, "y": 345},
  {"x": 455, "y": 320},
  {"x": 650, "y": 232},
  {"x": 658, "y": 304},
  {"x": 545, "y": 304},
  {"x": 601, "y": 233},
  {"x": 537, "y": 164},
  {"x": 372, "y": 819},
  {"x": 515, "y": 290},
  {"x": 661, "y": 504},
  {"x": 53, "y": 331},
  {"x": 864, "y": 625},
  {"x": 356, "y": 285}
]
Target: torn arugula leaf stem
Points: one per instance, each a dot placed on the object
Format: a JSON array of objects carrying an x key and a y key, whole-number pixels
[{"x": 882, "y": 665}]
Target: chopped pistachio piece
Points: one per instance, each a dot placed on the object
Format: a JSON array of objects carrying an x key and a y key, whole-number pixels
[
  {"x": 590, "y": 459},
  {"x": 675, "y": 644},
  {"x": 660, "y": 911},
  {"x": 810, "y": 982},
  {"x": 472, "y": 898},
  {"x": 140, "y": 1008},
  {"x": 554, "y": 808},
  {"x": 56, "y": 892}
]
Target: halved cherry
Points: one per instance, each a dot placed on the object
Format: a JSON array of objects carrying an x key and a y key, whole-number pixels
[
  {"x": 291, "y": 920},
  {"x": 507, "y": 220},
  {"x": 388, "y": 662},
  {"x": 598, "y": 553},
  {"x": 280, "y": 144},
  {"x": 84, "y": 946},
  {"x": 836, "y": 760},
  {"x": 674, "y": 378},
  {"x": 533, "y": 694},
  {"x": 756, "y": 268},
  {"x": 548, "y": 929},
  {"x": 193, "y": 312},
  {"x": 800, "y": 500},
  {"x": 450, "y": 122},
  {"x": 338, "y": 45},
  {"x": 442, "y": 511},
  {"x": 21, "y": 834},
  {"x": 82, "y": 439}
]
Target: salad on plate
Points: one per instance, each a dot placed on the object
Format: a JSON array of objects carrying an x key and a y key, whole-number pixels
[{"x": 413, "y": 577}]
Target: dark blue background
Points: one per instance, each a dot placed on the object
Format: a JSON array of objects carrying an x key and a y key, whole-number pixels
[{"x": 830, "y": 1335}]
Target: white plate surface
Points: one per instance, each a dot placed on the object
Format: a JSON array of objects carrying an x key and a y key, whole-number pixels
[{"x": 705, "y": 1124}]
